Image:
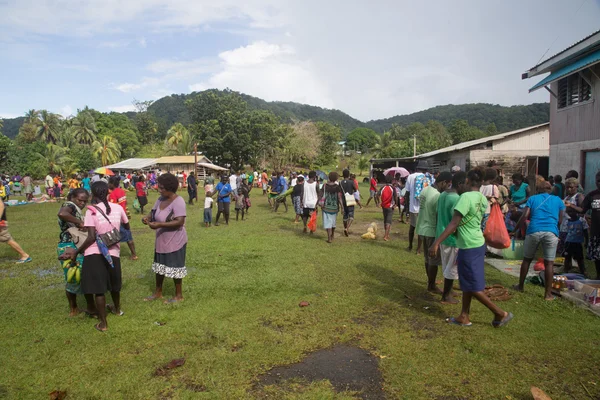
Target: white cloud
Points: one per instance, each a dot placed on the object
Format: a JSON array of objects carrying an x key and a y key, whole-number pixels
[
  {"x": 142, "y": 42},
  {"x": 131, "y": 87},
  {"x": 268, "y": 71},
  {"x": 9, "y": 115},
  {"x": 122, "y": 109},
  {"x": 66, "y": 111}
]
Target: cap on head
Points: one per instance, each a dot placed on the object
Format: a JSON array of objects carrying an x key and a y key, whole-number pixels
[
  {"x": 456, "y": 168},
  {"x": 445, "y": 176},
  {"x": 422, "y": 165}
]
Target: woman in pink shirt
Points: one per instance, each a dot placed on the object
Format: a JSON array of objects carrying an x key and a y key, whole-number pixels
[{"x": 101, "y": 273}]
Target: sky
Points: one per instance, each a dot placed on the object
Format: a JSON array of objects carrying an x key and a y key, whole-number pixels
[{"x": 371, "y": 59}]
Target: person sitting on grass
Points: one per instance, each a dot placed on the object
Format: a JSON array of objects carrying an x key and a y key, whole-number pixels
[
  {"x": 466, "y": 222},
  {"x": 545, "y": 214},
  {"x": 167, "y": 219},
  {"x": 389, "y": 200},
  {"x": 427, "y": 223}
]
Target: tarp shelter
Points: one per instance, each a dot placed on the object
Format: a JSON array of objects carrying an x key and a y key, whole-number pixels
[
  {"x": 133, "y": 164},
  {"x": 205, "y": 168}
]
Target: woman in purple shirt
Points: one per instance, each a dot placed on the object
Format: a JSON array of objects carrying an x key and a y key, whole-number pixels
[{"x": 167, "y": 218}]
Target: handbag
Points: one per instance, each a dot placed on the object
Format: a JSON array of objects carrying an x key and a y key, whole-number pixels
[
  {"x": 111, "y": 237},
  {"x": 350, "y": 200},
  {"x": 78, "y": 236}
]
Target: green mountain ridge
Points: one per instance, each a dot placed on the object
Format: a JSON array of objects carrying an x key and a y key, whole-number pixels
[{"x": 170, "y": 109}]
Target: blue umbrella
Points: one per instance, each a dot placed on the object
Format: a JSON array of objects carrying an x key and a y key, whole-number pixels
[
  {"x": 321, "y": 175},
  {"x": 104, "y": 251}
]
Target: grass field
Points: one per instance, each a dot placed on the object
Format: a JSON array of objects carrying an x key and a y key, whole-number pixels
[{"x": 240, "y": 318}]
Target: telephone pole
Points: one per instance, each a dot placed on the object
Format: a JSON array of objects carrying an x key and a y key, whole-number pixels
[
  {"x": 195, "y": 158},
  {"x": 415, "y": 145}
]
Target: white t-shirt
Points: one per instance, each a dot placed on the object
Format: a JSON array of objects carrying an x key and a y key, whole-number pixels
[
  {"x": 310, "y": 195},
  {"x": 410, "y": 187},
  {"x": 49, "y": 181},
  {"x": 208, "y": 202},
  {"x": 233, "y": 183},
  {"x": 489, "y": 191},
  {"x": 294, "y": 181}
]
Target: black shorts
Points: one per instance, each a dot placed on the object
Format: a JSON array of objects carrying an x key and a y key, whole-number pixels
[
  {"x": 307, "y": 211},
  {"x": 348, "y": 213},
  {"x": 574, "y": 250},
  {"x": 143, "y": 200},
  {"x": 388, "y": 215},
  {"x": 224, "y": 207},
  {"x": 98, "y": 277}
]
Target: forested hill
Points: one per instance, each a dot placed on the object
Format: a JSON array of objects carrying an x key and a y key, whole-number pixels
[
  {"x": 480, "y": 115},
  {"x": 171, "y": 109}
]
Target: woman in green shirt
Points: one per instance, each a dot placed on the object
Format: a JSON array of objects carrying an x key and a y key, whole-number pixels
[{"x": 468, "y": 213}]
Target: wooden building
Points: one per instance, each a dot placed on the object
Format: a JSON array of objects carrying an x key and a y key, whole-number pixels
[
  {"x": 524, "y": 151},
  {"x": 573, "y": 85}
]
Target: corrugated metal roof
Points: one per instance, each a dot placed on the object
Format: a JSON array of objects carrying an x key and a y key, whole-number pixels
[
  {"x": 477, "y": 142},
  {"x": 578, "y": 65},
  {"x": 133, "y": 163},
  {"x": 211, "y": 166},
  {"x": 181, "y": 159},
  {"x": 568, "y": 48}
]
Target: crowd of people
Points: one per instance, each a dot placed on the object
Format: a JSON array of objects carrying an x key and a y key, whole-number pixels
[{"x": 446, "y": 211}]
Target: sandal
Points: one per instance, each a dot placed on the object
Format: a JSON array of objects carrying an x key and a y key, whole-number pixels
[
  {"x": 454, "y": 321},
  {"x": 97, "y": 326},
  {"x": 506, "y": 320},
  {"x": 110, "y": 308},
  {"x": 28, "y": 259}
]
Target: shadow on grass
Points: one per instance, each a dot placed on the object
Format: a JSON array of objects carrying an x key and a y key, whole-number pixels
[{"x": 401, "y": 290}]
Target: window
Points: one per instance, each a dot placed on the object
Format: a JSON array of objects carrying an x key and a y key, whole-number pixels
[{"x": 573, "y": 90}]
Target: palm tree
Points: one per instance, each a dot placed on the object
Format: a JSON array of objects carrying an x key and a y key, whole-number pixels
[
  {"x": 48, "y": 127},
  {"x": 32, "y": 115},
  {"x": 175, "y": 135},
  {"x": 84, "y": 127},
  {"x": 107, "y": 149},
  {"x": 1, "y": 125},
  {"x": 384, "y": 141},
  {"x": 363, "y": 163},
  {"x": 55, "y": 157},
  {"x": 66, "y": 138}
]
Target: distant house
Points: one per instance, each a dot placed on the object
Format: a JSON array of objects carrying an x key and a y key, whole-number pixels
[
  {"x": 574, "y": 87},
  {"x": 176, "y": 164},
  {"x": 524, "y": 151}
]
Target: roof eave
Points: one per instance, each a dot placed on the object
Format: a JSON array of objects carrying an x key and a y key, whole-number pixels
[{"x": 564, "y": 56}]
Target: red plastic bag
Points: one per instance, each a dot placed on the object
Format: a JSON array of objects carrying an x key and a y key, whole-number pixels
[
  {"x": 312, "y": 223},
  {"x": 539, "y": 265},
  {"x": 495, "y": 232}
]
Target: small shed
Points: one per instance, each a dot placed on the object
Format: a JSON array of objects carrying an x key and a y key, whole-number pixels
[{"x": 175, "y": 164}]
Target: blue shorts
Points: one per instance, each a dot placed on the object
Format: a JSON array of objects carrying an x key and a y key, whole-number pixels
[{"x": 125, "y": 235}]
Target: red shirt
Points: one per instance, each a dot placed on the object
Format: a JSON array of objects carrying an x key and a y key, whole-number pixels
[
  {"x": 118, "y": 196},
  {"x": 387, "y": 197},
  {"x": 139, "y": 189},
  {"x": 373, "y": 185}
]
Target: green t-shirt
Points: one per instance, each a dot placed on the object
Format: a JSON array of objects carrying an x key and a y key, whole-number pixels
[
  {"x": 471, "y": 205},
  {"x": 446, "y": 203},
  {"x": 427, "y": 220}
]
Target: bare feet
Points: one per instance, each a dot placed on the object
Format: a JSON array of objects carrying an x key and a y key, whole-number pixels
[
  {"x": 134, "y": 258},
  {"x": 75, "y": 312},
  {"x": 100, "y": 327},
  {"x": 435, "y": 290},
  {"x": 386, "y": 238},
  {"x": 153, "y": 297},
  {"x": 449, "y": 300}
]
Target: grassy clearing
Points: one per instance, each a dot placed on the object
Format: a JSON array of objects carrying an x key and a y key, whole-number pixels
[{"x": 241, "y": 317}]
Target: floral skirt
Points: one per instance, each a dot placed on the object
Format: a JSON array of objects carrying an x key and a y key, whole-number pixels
[
  {"x": 594, "y": 248},
  {"x": 171, "y": 265}
]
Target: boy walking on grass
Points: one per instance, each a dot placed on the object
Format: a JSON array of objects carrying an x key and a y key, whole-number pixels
[
  {"x": 427, "y": 224},
  {"x": 574, "y": 241},
  {"x": 208, "y": 203}
]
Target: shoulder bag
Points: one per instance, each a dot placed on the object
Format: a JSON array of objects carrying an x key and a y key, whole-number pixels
[{"x": 111, "y": 237}]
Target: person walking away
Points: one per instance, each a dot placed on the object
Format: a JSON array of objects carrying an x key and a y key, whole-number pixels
[
  {"x": 247, "y": 189},
  {"x": 192, "y": 187},
  {"x": 558, "y": 188},
  {"x": 141, "y": 193},
  {"x": 297, "y": 197},
  {"x": 448, "y": 250},
  {"x": 28, "y": 187},
  {"x": 519, "y": 191},
  {"x": 85, "y": 183},
  {"x": 415, "y": 183},
  {"x": 389, "y": 200},
  {"x": 356, "y": 191},
  {"x": 167, "y": 219},
  {"x": 281, "y": 187},
  {"x": 70, "y": 216},
  {"x": 250, "y": 178},
  {"x": 119, "y": 197},
  {"x": 591, "y": 203},
  {"x": 490, "y": 191},
  {"x": 310, "y": 198},
  {"x": 223, "y": 192},
  {"x": 347, "y": 186},
  {"x": 427, "y": 224},
  {"x": 544, "y": 212},
  {"x": 373, "y": 191},
  {"x": 332, "y": 194},
  {"x": 208, "y": 204},
  {"x": 466, "y": 222},
  {"x": 101, "y": 269}
]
